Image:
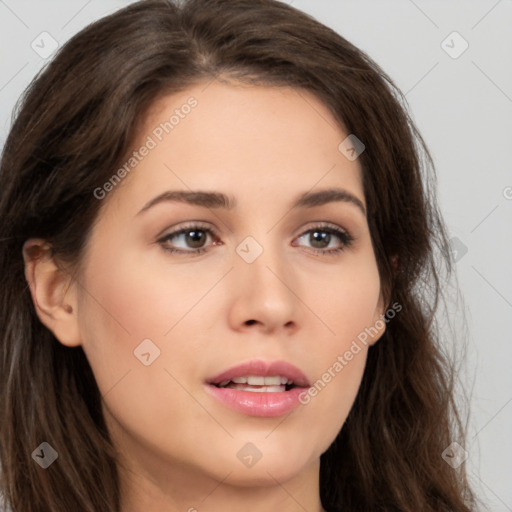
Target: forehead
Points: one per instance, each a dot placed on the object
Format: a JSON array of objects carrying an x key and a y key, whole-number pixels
[{"x": 243, "y": 140}]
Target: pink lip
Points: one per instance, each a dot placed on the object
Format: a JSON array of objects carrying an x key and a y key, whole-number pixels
[{"x": 260, "y": 404}]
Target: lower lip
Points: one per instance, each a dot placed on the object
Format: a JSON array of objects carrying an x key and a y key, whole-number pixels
[{"x": 258, "y": 404}]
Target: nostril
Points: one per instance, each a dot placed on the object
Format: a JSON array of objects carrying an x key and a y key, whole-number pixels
[{"x": 250, "y": 322}]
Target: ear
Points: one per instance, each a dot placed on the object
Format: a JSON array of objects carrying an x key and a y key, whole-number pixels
[
  {"x": 378, "y": 327},
  {"x": 379, "y": 324},
  {"x": 53, "y": 292}
]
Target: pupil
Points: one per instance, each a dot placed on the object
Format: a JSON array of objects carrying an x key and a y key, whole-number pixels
[
  {"x": 196, "y": 238},
  {"x": 318, "y": 236}
]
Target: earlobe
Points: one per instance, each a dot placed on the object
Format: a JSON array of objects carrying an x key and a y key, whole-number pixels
[{"x": 52, "y": 291}]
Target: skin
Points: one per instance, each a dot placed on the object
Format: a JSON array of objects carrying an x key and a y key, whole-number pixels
[{"x": 178, "y": 445}]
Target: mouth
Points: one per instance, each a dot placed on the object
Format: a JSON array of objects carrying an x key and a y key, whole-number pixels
[
  {"x": 259, "y": 388},
  {"x": 258, "y": 384}
]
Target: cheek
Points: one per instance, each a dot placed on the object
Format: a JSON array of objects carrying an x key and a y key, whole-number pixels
[
  {"x": 348, "y": 306},
  {"x": 127, "y": 301},
  {"x": 138, "y": 300}
]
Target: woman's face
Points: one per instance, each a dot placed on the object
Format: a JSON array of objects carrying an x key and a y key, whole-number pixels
[{"x": 262, "y": 281}]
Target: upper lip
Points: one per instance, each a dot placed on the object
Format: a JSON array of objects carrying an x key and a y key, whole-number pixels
[{"x": 264, "y": 369}]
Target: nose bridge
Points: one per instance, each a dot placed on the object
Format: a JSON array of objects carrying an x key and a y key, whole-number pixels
[{"x": 262, "y": 275}]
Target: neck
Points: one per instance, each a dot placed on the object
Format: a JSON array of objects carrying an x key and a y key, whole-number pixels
[{"x": 180, "y": 488}]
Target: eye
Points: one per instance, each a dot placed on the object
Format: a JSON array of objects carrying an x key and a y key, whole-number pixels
[
  {"x": 322, "y": 236},
  {"x": 193, "y": 236}
]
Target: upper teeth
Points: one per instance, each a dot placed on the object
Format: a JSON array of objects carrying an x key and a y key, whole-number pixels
[{"x": 258, "y": 380}]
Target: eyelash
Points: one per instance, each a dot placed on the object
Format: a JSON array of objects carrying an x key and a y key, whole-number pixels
[{"x": 344, "y": 236}]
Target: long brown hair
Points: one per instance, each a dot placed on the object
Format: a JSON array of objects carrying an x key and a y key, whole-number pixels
[{"x": 74, "y": 125}]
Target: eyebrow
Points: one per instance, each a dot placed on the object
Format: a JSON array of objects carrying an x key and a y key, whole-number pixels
[{"x": 223, "y": 201}]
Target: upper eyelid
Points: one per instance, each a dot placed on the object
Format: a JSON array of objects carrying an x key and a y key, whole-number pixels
[
  {"x": 326, "y": 225},
  {"x": 207, "y": 227},
  {"x": 197, "y": 224}
]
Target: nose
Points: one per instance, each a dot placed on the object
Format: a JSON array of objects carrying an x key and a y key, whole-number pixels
[{"x": 265, "y": 295}]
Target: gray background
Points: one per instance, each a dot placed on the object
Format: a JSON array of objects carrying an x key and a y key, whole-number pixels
[{"x": 463, "y": 108}]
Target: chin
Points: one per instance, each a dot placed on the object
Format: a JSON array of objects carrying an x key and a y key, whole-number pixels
[
  {"x": 271, "y": 461},
  {"x": 263, "y": 476}
]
